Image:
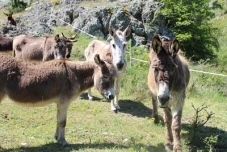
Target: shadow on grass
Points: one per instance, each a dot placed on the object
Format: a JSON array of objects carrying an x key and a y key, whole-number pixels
[
  {"x": 54, "y": 147},
  {"x": 205, "y": 139},
  {"x": 135, "y": 108},
  {"x": 84, "y": 96}
]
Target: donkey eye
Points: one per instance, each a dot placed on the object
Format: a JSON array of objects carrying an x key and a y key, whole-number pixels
[
  {"x": 113, "y": 45},
  {"x": 124, "y": 46}
]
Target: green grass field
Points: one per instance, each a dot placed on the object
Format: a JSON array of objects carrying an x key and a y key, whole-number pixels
[{"x": 91, "y": 126}]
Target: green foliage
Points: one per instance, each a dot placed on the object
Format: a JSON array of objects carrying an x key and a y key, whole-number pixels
[
  {"x": 189, "y": 19},
  {"x": 209, "y": 86},
  {"x": 135, "y": 79},
  {"x": 17, "y": 6},
  {"x": 210, "y": 141},
  {"x": 221, "y": 23}
]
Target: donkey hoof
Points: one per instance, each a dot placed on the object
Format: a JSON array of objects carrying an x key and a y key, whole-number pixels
[
  {"x": 90, "y": 98},
  {"x": 117, "y": 107},
  {"x": 115, "y": 111},
  {"x": 63, "y": 143},
  {"x": 168, "y": 147},
  {"x": 177, "y": 149}
]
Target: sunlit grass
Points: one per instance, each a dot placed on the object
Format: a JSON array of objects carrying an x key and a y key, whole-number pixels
[{"x": 89, "y": 4}]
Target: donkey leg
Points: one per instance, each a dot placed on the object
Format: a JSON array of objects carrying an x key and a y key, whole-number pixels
[
  {"x": 117, "y": 91},
  {"x": 155, "y": 110},
  {"x": 114, "y": 103},
  {"x": 62, "y": 108},
  {"x": 89, "y": 94},
  {"x": 176, "y": 129},
  {"x": 168, "y": 132},
  {"x": 1, "y": 95}
]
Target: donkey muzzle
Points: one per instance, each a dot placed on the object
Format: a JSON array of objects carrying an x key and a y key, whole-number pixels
[
  {"x": 120, "y": 65},
  {"x": 109, "y": 95},
  {"x": 68, "y": 56},
  {"x": 163, "y": 100}
]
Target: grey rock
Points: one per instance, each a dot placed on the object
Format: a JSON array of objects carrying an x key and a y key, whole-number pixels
[
  {"x": 138, "y": 40},
  {"x": 138, "y": 27},
  {"x": 88, "y": 21},
  {"x": 63, "y": 16},
  {"x": 120, "y": 20},
  {"x": 69, "y": 1},
  {"x": 143, "y": 16}
]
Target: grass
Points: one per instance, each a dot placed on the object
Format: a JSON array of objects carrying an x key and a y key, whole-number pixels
[
  {"x": 91, "y": 126},
  {"x": 101, "y": 3}
]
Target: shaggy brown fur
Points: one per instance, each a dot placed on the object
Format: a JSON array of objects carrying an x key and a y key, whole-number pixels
[
  {"x": 59, "y": 81},
  {"x": 168, "y": 78},
  {"x": 6, "y": 43},
  {"x": 42, "y": 48}
]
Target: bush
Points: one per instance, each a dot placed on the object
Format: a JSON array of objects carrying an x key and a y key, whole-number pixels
[
  {"x": 190, "y": 21},
  {"x": 17, "y": 6}
]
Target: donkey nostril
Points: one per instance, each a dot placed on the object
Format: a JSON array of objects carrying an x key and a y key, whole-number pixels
[
  {"x": 163, "y": 99},
  {"x": 120, "y": 66},
  {"x": 68, "y": 56},
  {"x": 110, "y": 97}
]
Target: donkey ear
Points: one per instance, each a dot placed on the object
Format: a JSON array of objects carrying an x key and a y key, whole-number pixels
[
  {"x": 112, "y": 31},
  {"x": 73, "y": 37},
  {"x": 63, "y": 35},
  {"x": 98, "y": 61},
  {"x": 6, "y": 14},
  {"x": 57, "y": 38},
  {"x": 127, "y": 31},
  {"x": 175, "y": 46},
  {"x": 156, "y": 44}
]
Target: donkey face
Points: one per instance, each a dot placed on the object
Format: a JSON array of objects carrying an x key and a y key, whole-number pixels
[
  {"x": 104, "y": 78},
  {"x": 69, "y": 44},
  {"x": 118, "y": 46},
  {"x": 63, "y": 47},
  {"x": 10, "y": 19},
  {"x": 59, "y": 48},
  {"x": 165, "y": 69}
]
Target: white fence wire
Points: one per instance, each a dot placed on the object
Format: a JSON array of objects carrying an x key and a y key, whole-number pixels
[{"x": 130, "y": 52}]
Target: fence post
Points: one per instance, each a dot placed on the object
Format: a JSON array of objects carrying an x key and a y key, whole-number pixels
[{"x": 130, "y": 54}]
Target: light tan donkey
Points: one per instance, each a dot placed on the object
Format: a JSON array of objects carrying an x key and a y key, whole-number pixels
[
  {"x": 115, "y": 51},
  {"x": 55, "y": 81},
  {"x": 168, "y": 78}
]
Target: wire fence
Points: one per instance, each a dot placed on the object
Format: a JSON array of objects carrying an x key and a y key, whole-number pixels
[{"x": 131, "y": 58}]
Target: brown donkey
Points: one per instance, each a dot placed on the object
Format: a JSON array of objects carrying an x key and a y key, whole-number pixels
[
  {"x": 30, "y": 48},
  {"x": 168, "y": 78},
  {"x": 10, "y": 19},
  {"x": 59, "y": 81}
]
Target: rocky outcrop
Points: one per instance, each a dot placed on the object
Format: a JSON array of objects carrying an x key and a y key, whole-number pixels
[{"x": 144, "y": 17}]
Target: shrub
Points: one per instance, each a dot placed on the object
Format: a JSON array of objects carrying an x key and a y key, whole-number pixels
[{"x": 190, "y": 21}]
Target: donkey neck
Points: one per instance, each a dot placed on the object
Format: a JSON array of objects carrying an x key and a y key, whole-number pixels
[{"x": 85, "y": 71}]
